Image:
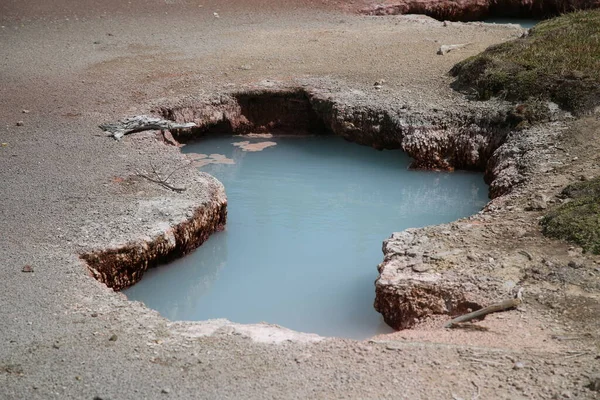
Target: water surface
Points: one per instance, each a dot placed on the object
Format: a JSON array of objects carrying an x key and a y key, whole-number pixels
[
  {"x": 524, "y": 22},
  {"x": 306, "y": 219}
]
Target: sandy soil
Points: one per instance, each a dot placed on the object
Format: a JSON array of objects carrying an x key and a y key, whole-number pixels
[{"x": 65, "y": 188}]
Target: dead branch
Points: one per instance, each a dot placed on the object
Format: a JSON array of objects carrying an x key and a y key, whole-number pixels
[
  {"x": 501, "y": 306},
  {"x": 141, "y": 123},
  {"x": 160, "y": 180}
]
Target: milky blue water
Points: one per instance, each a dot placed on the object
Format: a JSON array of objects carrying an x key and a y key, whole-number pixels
[
  {"x": 306, "y": 220},
  {"x": 525, "y": 23}
]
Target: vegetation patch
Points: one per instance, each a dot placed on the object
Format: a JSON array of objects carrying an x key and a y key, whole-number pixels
[
  {"x": 559, "y": 60},
  {"x": 577, "y": 221}
]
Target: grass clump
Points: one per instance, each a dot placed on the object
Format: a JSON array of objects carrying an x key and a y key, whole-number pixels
[
  {"x": 559, "y": 60},
  {"x": 577, "y": 221}
]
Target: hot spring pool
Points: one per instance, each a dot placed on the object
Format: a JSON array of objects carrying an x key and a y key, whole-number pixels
[{"x": 306, "y": 220}]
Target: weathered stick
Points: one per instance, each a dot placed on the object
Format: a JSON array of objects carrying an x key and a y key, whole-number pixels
[
  {"x": 503, "y": 305},
  {"x": 141, "y": 123}
]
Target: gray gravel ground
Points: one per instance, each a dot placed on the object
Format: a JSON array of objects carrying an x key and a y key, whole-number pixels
[{"x": 64, "y": 188}]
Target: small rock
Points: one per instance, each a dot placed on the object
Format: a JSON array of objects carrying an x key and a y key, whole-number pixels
[
  {"x": 246, "y": 67},
  {"x": 113, "y": 338},
  {"x": 216, "y": 15},
  {"x": 594, "y": 383},
  {"x": 25, "y": 111},
  {"x": 20, "y": 123},
  {"x": 566, "y": 394},
  {"x": 538, "y": 203},
  {"x": 97, "y": 42},
  {"x": 94, "y": 315},
  {"x": 166, "y": 391},
  {"x": 56, "y": 346},
  {"x": 27, "y": 268},
  {"x": 447, "y": 48},
  {"x": 420, "y": 268},
  {"x": 518, "y": 365}
]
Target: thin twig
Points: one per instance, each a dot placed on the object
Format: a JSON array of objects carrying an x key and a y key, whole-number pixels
[
  {"x": 488, "y": 362},
  {"x": 583, "y": 353},
  {"x": 571, "y": 337},
  {"x": 478, "y": 391},
  {"x": 175, "y": 170},
  {"x": 165, "y": 184},
  {"x": 160, "y": 180}
]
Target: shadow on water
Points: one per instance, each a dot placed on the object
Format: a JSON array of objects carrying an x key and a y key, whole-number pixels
[{"x": 185, "y": 280}]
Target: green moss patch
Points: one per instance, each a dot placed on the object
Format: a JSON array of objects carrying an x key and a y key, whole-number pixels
[
  {"x": 579, "y": 220},
  {"x": 559, "y": 60}
]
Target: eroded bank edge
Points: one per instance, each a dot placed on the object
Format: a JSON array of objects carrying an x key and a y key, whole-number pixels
[
  {"x": 449, "y": 10},
  {"x": 123, "y": 266}
]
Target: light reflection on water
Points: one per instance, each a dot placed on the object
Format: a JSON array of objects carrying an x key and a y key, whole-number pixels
[{"x": 306, "y": 219}]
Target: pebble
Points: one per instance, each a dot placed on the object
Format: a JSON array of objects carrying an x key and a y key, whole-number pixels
[
  {"x": 20, "y": 123},
  {"x": 27, "y": 268},
  {"x": 25, "y": 111},
  {"x": 113, "y": 338},
  {"x": 94, "y": 315},
  {"x": 518, "y": 365},
  {"x": 594, "y": 384},
  {"x": 420, "y": 268},
  {"x": 166, "y": 391},
  {"x": 303, "y": 358}
]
